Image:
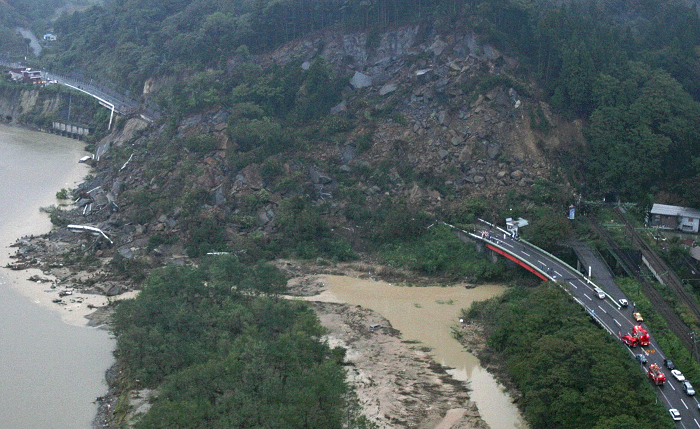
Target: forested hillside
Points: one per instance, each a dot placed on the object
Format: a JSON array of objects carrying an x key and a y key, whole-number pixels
[
  {"x": 23, "y": 13},
  {"x": 332, "y": 131},
  {"x": 630, "y": 67}
]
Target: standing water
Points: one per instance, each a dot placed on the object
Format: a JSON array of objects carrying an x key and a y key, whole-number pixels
[
  {"x": 428, "y": 314},
  {"x": 50, "y": 371}
]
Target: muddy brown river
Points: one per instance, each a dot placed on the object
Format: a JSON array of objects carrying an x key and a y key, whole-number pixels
[
  {"x": 427, "y": 314},
  {"x": 50, "y": 371}
]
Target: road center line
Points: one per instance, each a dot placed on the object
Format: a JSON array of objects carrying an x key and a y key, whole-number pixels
[
  {"x": 587, "y": 296},
  {"x": 572, "y": 284},
  {"x": 696, "y": 422},
  {"x": 525, "y": 253},
  {"x": 684, "y": 404},
  {"x": 558, "y": 273},
  {"x": 618, "y": 323}
]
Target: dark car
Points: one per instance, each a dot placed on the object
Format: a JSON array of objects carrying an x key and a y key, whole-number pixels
[
  {"x": 669, "y": 364},
  {"x": 642, "y": 359}
]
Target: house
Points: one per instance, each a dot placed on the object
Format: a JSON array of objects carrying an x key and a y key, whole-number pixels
[
  {"x": 674, "y": 217},
  {"x": 50, "y": 37},
  {"x": 32, "y": 76},
  {"x": 17, "y": 74}
]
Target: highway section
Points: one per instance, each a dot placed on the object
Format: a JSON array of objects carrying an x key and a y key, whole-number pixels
[{"x": 603, "y": 306}]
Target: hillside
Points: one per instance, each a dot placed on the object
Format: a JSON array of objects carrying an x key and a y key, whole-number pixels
[{"x": 337, "y": 135}]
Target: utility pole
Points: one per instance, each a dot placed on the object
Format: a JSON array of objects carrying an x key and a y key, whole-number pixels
[{"x": 694, "y": 339}]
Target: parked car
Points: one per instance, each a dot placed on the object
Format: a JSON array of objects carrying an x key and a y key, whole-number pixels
[
  {"x": 642, "y": 359},
  {"x": 675, "y": 414},
  {"x": 669, "y": 364},
  {"x": 688, "y": 388},
  {"x": 638, "y": 317},
  {"x": 678, "y": 375},
  {"x": 623, "y": 302}
]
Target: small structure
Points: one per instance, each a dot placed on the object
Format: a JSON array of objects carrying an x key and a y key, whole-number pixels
[
  {"x": 50, "y": 37},
  {"x": 513, "y": 225},
  {"x": 674, "y": 217}
]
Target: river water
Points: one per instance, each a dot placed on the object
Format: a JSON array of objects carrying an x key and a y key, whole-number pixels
[
  {"x": 50, "y": 371},
  {"x": 428, "y": 314}
]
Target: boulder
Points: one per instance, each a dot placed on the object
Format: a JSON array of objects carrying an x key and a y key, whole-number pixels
[
  {"x": 438, "y": 47},
  {"x": 360, "y": 80},
  {"x": 387, "y": 89},
  {"x": 465, "y": 155},
  {"x": 444, "y": 118},
  {"x": 338, "y": 108}
]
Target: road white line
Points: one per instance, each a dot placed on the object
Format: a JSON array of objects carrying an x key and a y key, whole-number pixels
[
  {"x": 540, "y": 262},
  {"x": 671, "y": 384},
  {"x": 525, "y": 253},
  {"x": 575, "y": 287},
  {"x": 558, "y": 273},
  {"x": 618, "y": 323},
  {"x": 601, "y": 309},
  {"x": 664, "y": 395},
  {"x": 696, "y": 422},
  {"x": 587, "y": 297},
  {"x": 509, "y": 245},
  {"x": 684, "y": 404}
]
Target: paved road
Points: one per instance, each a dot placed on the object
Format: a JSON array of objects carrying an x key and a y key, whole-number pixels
[
  {"x": 606, "y": 311},
  {"x": 122, "y": 103}
]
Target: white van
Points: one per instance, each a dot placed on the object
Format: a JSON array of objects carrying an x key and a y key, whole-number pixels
[{"x": 600, "y": 292}]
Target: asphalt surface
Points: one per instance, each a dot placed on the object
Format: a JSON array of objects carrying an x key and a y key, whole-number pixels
[{"x": 607, "y": 312}]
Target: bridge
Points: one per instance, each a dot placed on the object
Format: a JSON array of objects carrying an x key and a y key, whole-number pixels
[
  {"x": 604, "y": 307},
  {"x": 117, "y": 102}
]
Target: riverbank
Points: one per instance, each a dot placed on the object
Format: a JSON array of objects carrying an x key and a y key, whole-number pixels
[
  {"x": 397, "y": 381},
  {"x": 50, "y": 371},
  {"x": 423, "y": 317},
  {"x": 52, "y": 289}
]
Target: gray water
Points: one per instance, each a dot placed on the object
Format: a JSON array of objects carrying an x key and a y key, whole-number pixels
[{"x": 50, "y": 371}]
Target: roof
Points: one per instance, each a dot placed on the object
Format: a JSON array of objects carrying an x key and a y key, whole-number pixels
[
  {"x": 663, "y": 209},
  {"x": 519, "y": 223}
]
